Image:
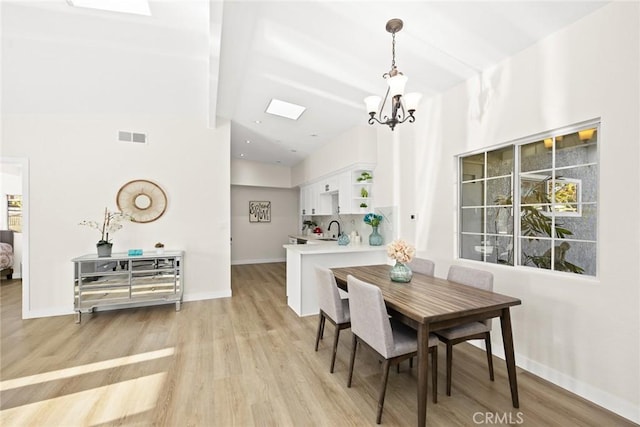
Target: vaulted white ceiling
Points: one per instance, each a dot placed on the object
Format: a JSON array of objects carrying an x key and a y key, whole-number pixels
[
  {"x": 327, "y": 56},
  {"x": 324, "y": 55}
]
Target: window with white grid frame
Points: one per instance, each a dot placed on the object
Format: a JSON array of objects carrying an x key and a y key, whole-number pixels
[{"x": 551, "y": 182}]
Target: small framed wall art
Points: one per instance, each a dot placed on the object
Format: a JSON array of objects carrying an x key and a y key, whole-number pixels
[{"x": 259, "y": 211}]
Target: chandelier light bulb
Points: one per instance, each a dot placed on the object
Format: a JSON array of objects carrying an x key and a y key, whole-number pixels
[
  {"x": 411, "y": 101},
  {"x": 372, "y": 103},
  {"x": 397, "y": 84}
]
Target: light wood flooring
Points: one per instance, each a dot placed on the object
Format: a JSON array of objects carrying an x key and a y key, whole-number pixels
[{"x": 241, "y": 361}]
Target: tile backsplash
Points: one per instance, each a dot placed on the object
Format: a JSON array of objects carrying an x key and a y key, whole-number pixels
[{"x": 351, "y": 222}]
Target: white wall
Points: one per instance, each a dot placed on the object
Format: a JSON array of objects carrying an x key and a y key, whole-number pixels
[
  {"x": 257, "y": 174},
  {"x": 68, "y": 86},
  {"x": 357, "y": 145},
  {"x": 581, "y": 333},
  {"x": 262, "y": 242}
]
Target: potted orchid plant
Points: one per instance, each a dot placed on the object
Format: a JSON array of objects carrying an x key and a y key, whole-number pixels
[{"x": 111, "y": 222}]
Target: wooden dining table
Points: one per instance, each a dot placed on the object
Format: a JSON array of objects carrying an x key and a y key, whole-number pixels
[{"x": 429, "y": 304}]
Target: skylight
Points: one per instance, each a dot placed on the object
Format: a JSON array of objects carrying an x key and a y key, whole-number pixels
[
  {"x": 137, "y": 7},
  {"x": 285, "y": 109}
]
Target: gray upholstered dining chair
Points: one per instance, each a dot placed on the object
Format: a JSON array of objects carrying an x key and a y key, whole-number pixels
[
  {"x": 332, "y": 307},
  {"x": 393, "y": 341},
  {"x": 422, "y": 266},
  {"x": 469, "y": 331}
]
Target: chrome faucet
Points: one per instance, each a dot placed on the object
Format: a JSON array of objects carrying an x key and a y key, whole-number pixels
[{"x": 331, "y": 223}]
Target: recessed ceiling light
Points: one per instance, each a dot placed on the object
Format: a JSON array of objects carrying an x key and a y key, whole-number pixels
[
  {"x": 241, "y": 155},
  {"x": 258, "y": 121},
  {"x": 137, "y": 7},
  {"x": 314, "y": 135},
  {"x": 285, "y": 109},
  {"x": 248, "y": 141}
]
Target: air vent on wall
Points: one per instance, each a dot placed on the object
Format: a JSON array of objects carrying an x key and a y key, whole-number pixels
[{"x": 136, "y": 137}]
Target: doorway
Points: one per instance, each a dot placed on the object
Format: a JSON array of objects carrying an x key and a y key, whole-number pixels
[{"x": 15, "y": 182}]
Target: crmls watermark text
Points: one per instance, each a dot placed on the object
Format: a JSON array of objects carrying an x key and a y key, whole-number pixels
[{"x": 498, "y": 418}]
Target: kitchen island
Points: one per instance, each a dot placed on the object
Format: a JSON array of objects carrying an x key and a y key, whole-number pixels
[{"x": 301, "y": 262}]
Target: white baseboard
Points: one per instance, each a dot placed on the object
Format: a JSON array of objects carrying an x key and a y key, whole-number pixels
[
  {"x": 599, "y": 397},
  {"x": 64, "y": 311},
  {"x": 206, "y": 295},
  {"x": 256, "y": 261},
  {"x": 48, "y": 312}
]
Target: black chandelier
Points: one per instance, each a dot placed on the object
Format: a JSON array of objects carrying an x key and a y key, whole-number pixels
[{"x": 402, "y": 106}]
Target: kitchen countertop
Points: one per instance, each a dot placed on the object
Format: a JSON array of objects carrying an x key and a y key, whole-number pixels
[{"x": 324, "y": 247}]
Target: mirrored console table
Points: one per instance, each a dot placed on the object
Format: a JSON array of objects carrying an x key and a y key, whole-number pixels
[{"x": 123, "y": 281}]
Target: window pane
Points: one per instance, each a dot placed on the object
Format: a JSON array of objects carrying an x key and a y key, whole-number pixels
[
  {"x": 468, "y": 246},
  {"x": 577, "y": 257},
  {"x": 472, "y": 220},
  {"x": 533, "y": 188},
  {"x": 586, "y": 178},
  {"x": 536, "y": 253},
  {"x": 583, "y": 227},
  {"x": 14, "y": 212},
  {"x": 535, "y": 156},
  {"x": 473, "y": 167},
  {"x": 500, "y": 162},
  {"x": 577, "y": 148},
  {"x": 499, "y": 191},
  {"x": 535, "y": 221},
  {"x": 472, "y": 194},
  {"x": 500, "y": 221},
  {"x": 499, "y": 250}
]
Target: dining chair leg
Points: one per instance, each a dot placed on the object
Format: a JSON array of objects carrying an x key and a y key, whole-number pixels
[
  {"x": 383, "y": 390},
  {"x": 434, "y": 373},
  {"x": 354, "y": 345},
  {"x": 335, "y": 348},
  {"x": 410, "y": 365},
  {"x": 449, "y": 360},
  {"x": 487, "y": 341},
  {"x": 320, "y": 329}
]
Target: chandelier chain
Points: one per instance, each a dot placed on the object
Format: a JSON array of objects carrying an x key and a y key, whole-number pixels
[{"x": 393, "y": 50}]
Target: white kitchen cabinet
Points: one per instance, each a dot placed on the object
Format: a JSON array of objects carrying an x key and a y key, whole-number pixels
[
  {"x": 308, "y": 199},
  {"x": 329, "y": 185},
  {"x": 345, "y": 185},
  {"x": 304, "y": 200},
  {"x": 339, "y": 193}
]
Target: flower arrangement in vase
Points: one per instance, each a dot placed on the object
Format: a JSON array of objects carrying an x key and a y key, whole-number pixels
[
  {"x": 374, "y": 220},
  {"x": 111, "y": 222},
  {"x": 402, "y": 253}
]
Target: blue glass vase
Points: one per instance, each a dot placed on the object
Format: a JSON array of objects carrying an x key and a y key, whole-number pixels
[
  {"x": 343, "y": 239},
  {"x": 400, "y": 273},
  {"x": 375, "y": 239}
]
